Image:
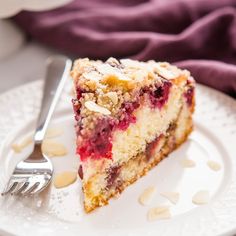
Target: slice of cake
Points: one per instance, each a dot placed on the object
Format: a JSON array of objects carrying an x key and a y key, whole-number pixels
[{"x": 129, "y": 116}]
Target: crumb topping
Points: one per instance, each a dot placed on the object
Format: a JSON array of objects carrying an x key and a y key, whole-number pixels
[
  {"x": 124, "y": 75},
  {"x": 112, "y": 91},
  {"x": 112, "y": 83}
]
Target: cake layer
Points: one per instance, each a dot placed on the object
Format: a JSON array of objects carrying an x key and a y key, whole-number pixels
[
  {"x": 150, "y": 123},
  {"x": 102, "y": 186}
]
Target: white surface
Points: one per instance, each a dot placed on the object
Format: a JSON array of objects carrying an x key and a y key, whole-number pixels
[
  {"x": 25, "y": 65},
  {"x": 9, "y": 8},
  {"x": 60, "y": 212},
  {"x": 11, "y": 38}
]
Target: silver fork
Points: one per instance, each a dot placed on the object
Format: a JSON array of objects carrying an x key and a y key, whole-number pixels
[{"x": 33, "y": 174}]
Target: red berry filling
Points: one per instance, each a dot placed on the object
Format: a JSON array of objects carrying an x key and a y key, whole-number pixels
[
  {"x": 189, "y": 96},
  {"x": 80, "y": 172},
  {"x": 160, "y": 95},
  {"x": 127, "y": 114},
  {"x": 79, "y": 92},
  {"x": 76, "y": 103},
  {"x": 76, "y": 108},
  {"x": 113, "y": 174},
  {"x": 99, "y": 144},
  {"x": 150, "y": 149}
]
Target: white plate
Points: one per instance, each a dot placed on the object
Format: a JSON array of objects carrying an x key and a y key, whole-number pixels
[{"x": 60, "y": 212}]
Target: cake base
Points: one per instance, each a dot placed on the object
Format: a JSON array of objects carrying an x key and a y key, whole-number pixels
[{"x": 119, "y": 177}]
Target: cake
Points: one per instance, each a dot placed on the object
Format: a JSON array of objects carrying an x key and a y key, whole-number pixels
[{"x": 129, "y": 116}]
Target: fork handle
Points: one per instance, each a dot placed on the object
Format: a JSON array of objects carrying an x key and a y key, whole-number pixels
[{"x": 58, "y": 68}]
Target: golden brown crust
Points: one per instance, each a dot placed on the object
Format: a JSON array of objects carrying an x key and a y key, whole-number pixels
[
  {"x": 102, "y": 199},
  {"x": 110, "y": 84}
]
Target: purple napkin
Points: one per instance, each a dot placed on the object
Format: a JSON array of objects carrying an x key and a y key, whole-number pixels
[{"x": 199, "y": 35}]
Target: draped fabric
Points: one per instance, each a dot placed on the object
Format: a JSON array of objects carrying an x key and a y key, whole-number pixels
[{"x": 199, "y": 35}]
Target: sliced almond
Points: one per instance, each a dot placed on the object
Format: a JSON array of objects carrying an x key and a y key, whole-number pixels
[
  {"x": 64, "y": 179},
  {"x": 130, "y": 63},
  {"x": 159, "y": 213},
  {"x": 18, "y": 147},
  {"x": 187, "y": 163},
  {"x": 171, "y": 196},
  {"x": 112, "y": 61},
  {"x": 92, "y": 75},
  {"x": 214, "y": 165},
  {"x": 52, "y": 148},
  {"x": 54, "y": 132},
  {"x": 165, "y": 73},
  {"x": 164, "y": 64},
  {"x": 113, "y": 76},
  {"x": 113, "y": 96},
  {"x": 147, "y": 195},
  {"x": 92, "y": 106},
  {"x": 201, "y": 197},
  {"x": 27, "y": 141},
  {"x": 107, "y": 69}
]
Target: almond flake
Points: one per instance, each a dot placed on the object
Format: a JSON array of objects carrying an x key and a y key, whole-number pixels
[
  {"x": 112, "y": 61},
  {"x": 64, "y": 179},
  {"x": 165, "y": 73},
  {"x": 147, "y": 195},
  {"x": 171, "y": 196},
  {"x": 52, "y": 148},
  {"x": 188, "y": 163},
  {"x": 18, "y": 147},
  {"x": 113, "y": 96},
  {"x": 92, "y": 75},
  {"x": 53, "y": 132},
  {"x": 106, "y": 69},
  {"x": 201, "y": 197},
  {"x": 130, "y": 63},
  {"x": 214, "y": 165},
  {"x": 92, "y": 106},
  {"x": 109, "y": 70},
  {"x": 159, "y": 213}
]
